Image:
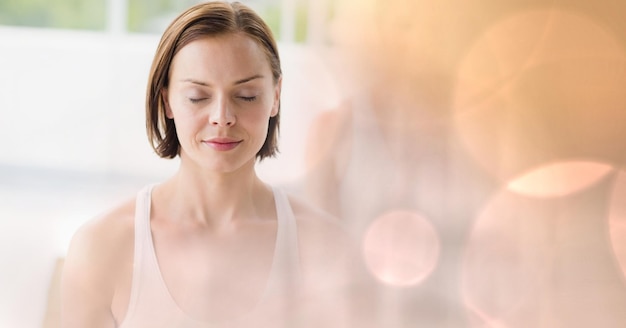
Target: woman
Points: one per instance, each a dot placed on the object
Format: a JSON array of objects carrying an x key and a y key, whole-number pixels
[{"x": 212, "y": 245}]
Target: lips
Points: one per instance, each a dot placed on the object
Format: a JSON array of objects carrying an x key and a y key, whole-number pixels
[{"x": 222, "y": 144}]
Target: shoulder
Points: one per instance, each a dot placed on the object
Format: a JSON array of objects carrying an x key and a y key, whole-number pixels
[
  {"x": 100, "y": 253},
  {"x": 106, "y": 234},
  {"x": 314, "y": 222},
  {"x": 332, "y": 269},
  {"x": 326, "y": 248}
]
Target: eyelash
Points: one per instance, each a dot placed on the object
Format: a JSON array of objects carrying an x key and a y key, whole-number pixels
[
  {"x": 197, "y": 100},
  {"x": 248, "y": 99}
]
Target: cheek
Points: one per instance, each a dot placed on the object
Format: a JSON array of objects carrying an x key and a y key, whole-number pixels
[
  {"x": 187, "y": 124},
  {"x": 255, "y": 122},
  {"x": 259, "y": 111}
]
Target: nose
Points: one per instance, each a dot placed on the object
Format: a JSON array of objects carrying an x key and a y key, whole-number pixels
[{"x": 221, "y": 114}]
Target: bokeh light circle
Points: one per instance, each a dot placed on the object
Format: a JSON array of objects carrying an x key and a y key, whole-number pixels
[
  {"x": 503, "y": 257},
  {"x": 546, "y": 261},
  {"x": 540, "y": 86},
  {"x": 401, "y": 248}
]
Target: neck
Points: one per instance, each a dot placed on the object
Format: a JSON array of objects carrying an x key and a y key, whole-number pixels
[{"x": 215, "y": 199}]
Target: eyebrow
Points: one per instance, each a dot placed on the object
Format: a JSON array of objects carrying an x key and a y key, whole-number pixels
[{"x": 242, "y": 81}]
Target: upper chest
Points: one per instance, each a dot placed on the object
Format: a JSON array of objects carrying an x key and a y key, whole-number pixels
[{"x": 215, "y": 275}]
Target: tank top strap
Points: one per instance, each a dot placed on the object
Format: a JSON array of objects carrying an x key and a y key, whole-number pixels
[
  {"x": 142, "y": 238},
  {"x": 286, "y": 254},
  {"x": 150, "y": 303}
]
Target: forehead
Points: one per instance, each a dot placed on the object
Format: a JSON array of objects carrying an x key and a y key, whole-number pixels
[{"x": 225, "y": 54}]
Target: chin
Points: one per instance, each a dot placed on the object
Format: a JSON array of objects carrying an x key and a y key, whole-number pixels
[
  {"x": 219, "y": 163},
  {"x": 226, "y": 166}
]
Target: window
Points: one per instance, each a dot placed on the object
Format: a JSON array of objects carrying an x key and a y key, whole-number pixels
[
  {"x": 66, "y": 14},
  {"x": 153, "y": 16},
  {"x": 291, "y": 20}
]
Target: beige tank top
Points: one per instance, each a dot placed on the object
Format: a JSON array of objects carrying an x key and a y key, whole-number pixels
[{"x": 151, "y": 304}]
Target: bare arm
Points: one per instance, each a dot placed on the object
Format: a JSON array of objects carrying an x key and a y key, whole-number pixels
[
  {"x": 85, "y": 292},
  {"x": 98, "y": 256}
]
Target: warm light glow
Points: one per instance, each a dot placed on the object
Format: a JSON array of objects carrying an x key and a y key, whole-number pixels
[
  {"x": 541, "y": 86},
  {"x": 617, "y": 220},
  {"x": 543, "y": 262},
  {"x": 401, "y": 248},
  {"x": 559, "y": 179},
  {"x": 503, "y": 257}
]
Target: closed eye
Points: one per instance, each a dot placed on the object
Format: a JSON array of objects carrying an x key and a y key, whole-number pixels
[
  {"x": 196, "y": 100},
  {"x": 249, "y": 99}
]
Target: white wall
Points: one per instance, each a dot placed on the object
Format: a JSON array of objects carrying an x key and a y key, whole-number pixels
[{"x": 73, "y": 100}]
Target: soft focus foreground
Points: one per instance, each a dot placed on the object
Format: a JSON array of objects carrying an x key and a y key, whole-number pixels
[{"x": 494, "y": 134}]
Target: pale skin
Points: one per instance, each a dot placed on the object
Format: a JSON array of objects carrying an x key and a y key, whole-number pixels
[{"x": 214, "y": 221}]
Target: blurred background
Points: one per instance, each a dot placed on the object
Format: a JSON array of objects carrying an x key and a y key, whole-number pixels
[{"x": 475, "y": 150}]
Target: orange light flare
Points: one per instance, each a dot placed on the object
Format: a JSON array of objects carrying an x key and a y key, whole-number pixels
[{"x": 559, "y": 179}]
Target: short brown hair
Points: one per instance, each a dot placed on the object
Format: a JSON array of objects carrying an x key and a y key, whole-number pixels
[{"x": 202, "y": 20}]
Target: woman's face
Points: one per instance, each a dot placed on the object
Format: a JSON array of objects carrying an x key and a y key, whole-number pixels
[{"x": 221, "y": 96}]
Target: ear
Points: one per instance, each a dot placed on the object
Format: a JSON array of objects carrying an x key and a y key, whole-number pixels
[
  {"x": 276, "y": 104},
  {"x": 166, "y": 102}
]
